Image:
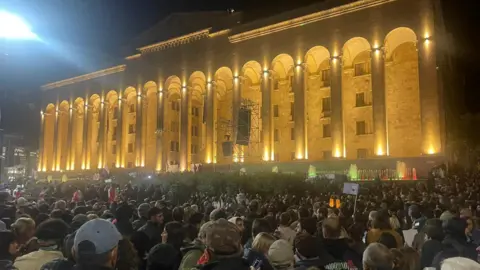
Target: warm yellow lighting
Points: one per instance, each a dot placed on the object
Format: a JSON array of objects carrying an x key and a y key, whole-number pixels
[
  {"x": 299, "y": 156},
  {"x": 431, "y": 150},
  {"x": 235, "y": 159},
  {"x": 266, "y": 156},
  {"x": 242, "y": 160},
  {"x": 379, "y": 152},
  {"x": 338, "y": 153},
  {"x": 209, "y": 160}
]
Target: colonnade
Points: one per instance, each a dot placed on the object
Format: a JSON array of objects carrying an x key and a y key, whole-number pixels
[{"x": 319, "y": 98}]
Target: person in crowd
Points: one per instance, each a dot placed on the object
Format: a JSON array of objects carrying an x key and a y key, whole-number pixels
[
  {"x": 418, "y": 220},
  {"x": 95, "y": 245},
  {"x": 239, "y": 222},
  {"x": 337, "y": 246},
  {"x": 281, "y": 256},
  {"x": 455, "y": 242},
  {"x": 154, "y": 227},
  {"x": 457, "y": 263},
  {"x": 355, "y": 242},
  {"x": 306, "y": 252},
  {"x": 388, "y": 240},
  {"x": 284, "y": 231},
  {"x": 259, "y": 225},
  {"x": 377, "y": 257},
  {"x": 433, "y": 244},
  {"x": 178, "y": 214},
  {"x": 174, "y": 235},
  {"x": 127, "y": 255},
  {"x": 381, "y": 224},
  {"x": 193, "y": 252},
  {"x": 224, "y": 248},
  {"x": 218, "y": 214},
  {"x": 163, "y": 257},
  {"x": 78, "y": 221},
  {"x": 411, "y": 259},
  {"x": 24, "y": 230},
  {"x": 259, "y": 250},
  {"x": 50, "y": 236},
  {"x": 61, "y": 206},
  {"x": 142, "y": 216},
  {"x": 398, "y": 259},
  {"x": 8, "y": 249}
]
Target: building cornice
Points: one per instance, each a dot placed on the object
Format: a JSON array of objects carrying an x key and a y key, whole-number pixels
[
  {"x": 85, "y": 77},
  {"x": 175, "y": 41},
  {"x": 219, "y": 33},
  {"x": 132, "y": 57},
  {"x": 310, "y": 18}
]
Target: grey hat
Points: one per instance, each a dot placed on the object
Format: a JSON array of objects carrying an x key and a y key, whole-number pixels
[
  {"x": 281, "y": 254},
  {"x": 96, "y": 237}
]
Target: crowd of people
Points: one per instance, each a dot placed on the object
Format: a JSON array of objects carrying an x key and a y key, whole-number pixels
[{"x": 137, "y": 227}]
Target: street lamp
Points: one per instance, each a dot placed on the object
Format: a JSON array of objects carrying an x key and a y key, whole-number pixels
[{"x": 14, "y": 27}]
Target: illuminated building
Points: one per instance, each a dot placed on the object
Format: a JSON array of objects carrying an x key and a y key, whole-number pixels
[{"x": 335, "y": 80}]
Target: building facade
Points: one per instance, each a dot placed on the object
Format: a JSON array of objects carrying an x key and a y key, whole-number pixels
[{"x": 342, "y": 80}]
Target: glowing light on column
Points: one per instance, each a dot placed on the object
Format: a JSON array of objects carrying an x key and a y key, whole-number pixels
[
  {"x": 431, "y": 150},
  {"x": 266, "y": 155},
  {"x": 380, "y": 151},
  {"x": 338, "y": 153}
]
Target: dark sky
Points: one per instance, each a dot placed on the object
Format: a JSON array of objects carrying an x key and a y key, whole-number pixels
[{"x": 83, "y": 35}]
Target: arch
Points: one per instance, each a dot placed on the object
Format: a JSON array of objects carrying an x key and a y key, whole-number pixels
[
  {"x": 197, "y": 82},
  {"x": 353, "y": 48},
  {"x": 111, "y": 99},
  {"x": 402, "y": 93},
  {"x": 62, "y": 135},
  {"x": 282, "y": 66},
  {"x": 224, "y": 108},
  {"x": 171, "y": 126},
  {"x": 224, "y": 81},
  {"x": 173, "y": 85},
  {"x": 251, "y": 99},
  {"x": 315, "y": 59},
  {"x": 149, "y": 138},
  {"x": 397, "y": 37},
  {"x": 252, "y": 71},
  {"x": 93, "y": 130},
  {"x": 129, "y": 128},
  {"x": 77, "y": 135},
  {"x": 48, "y": 137}
]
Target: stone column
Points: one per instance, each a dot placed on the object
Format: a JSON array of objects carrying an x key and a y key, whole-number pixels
[
  {"x": 210, "y": 122},
  {"x": 378, "y": 99},
  {"x": 138, "y": 130},
  {"x": 119, "y": 138},
  {"x": 55, "y": 141},
  {"x": 429, "y": 100},
  {"x": 267, "y": 117},
  {"x": 41, "y": 159},
  {"x": 69, "y": 146},
  {"x": 299, "y": 111},
  {"x": 184, "y": 128},
  {"x": 85, "y": 136},
  {"x": 159, "y": 132},
  {"x": 237, "y": 100},
  {"x": 336, "y": 124},
  {"x": 102, "y": 134}
]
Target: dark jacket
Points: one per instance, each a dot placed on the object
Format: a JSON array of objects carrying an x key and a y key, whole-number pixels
[
  {"x": 59, "y": 264},
  {"x": 226, "y": 264},
  {"x": 429, "y": 250},
  {"x": 343, "y": 255},
  {"x": 7, "y": 265},
  {"x": 137, "y": 224},
  {"x": 153, "y": 231},
  {"x": 253, "y": 255},
  {"x": 454, "y": 247},
  {"x": 305, "y": 264}
]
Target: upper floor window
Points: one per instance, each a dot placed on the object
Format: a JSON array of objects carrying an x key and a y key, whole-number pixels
[
  {"x": 326, "y": 131},
  {"x": 195, "y": 111},
  {"x": 326, "y": 77},
  {"x": 176, "y": 105},
  {"x": 361, "y": 128},
  {"x": 326, "y": 104},
  {"x": 275, "y": 111},
  {"x": 362, "y": 68},
  {"x": 131, "y": 108},
  {"x": 131, "y": 129}
]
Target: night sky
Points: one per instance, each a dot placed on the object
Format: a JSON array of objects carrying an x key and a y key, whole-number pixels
[{"x": 81, "y": 36}]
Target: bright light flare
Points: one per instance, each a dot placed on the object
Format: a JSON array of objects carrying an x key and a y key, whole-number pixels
[{"x": 14, "y": 27}]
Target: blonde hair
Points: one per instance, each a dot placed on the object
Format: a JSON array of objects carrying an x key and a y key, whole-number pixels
[
  {"x": 394, "y": 222},
  {"x": 22, "y": 225},
  {"x": 262, "y": 242},
  {"x": 456, "y": 263}
]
